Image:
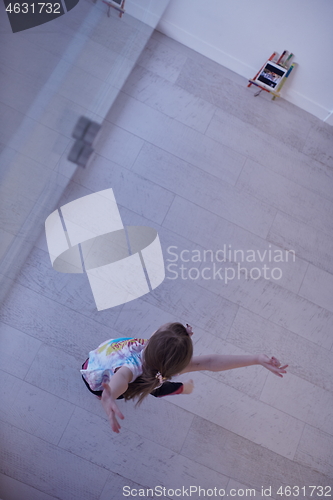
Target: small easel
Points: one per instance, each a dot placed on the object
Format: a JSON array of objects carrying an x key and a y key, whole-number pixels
[
  {"x": 113, "y": 4},
  {"x": 273, "y": 74}
]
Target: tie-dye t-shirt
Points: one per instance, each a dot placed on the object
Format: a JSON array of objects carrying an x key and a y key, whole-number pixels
[{"x": 109, "y": 356}]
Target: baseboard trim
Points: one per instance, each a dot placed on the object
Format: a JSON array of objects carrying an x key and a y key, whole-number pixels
[{"x": 240, "y": 67}]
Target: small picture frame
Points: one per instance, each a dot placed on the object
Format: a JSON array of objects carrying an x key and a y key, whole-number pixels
[{"x": 271, "y": 75}]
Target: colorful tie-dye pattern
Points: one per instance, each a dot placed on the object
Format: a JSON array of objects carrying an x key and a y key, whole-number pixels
[{"x": 109, "y": 356}]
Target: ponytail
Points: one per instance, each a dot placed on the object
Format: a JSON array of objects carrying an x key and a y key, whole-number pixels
[{"x": 167, "y": 353}]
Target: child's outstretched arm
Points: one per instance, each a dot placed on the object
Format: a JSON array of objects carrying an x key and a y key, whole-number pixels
[
  {"x": 222, "y": 362},
  {"x": 112, "y": 389}
]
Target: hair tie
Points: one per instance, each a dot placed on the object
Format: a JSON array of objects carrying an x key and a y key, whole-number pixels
[{"x": 159, "y": 377}]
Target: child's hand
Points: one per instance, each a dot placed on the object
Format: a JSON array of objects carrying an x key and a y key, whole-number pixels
[
  {"x": 111, "y": 409},
  {"x": 188, "y": 386},
  {"x": 272, "y": 364}
]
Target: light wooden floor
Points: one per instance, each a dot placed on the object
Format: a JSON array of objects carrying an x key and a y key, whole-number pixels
[{"x": 188, "y": 150}]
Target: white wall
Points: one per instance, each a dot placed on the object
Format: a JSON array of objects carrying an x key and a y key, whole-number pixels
[{"x": 242, "y": 34}]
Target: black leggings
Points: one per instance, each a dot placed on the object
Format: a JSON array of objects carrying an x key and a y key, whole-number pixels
[{"x": 166, "y": 389}]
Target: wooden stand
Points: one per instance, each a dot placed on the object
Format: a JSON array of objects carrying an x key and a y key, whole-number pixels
[
  {"x": 281, "y": 62},
  {"x": 119, "y": 8}
]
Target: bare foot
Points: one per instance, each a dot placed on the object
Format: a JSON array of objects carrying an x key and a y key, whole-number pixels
[{"x": 188, "y": 387}]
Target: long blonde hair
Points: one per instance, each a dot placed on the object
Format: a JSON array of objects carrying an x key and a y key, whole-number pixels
[{"x": 168, "y": 352}]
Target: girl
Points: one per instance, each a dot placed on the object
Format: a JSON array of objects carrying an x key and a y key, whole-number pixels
[{"x": 133, "y": 368}]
